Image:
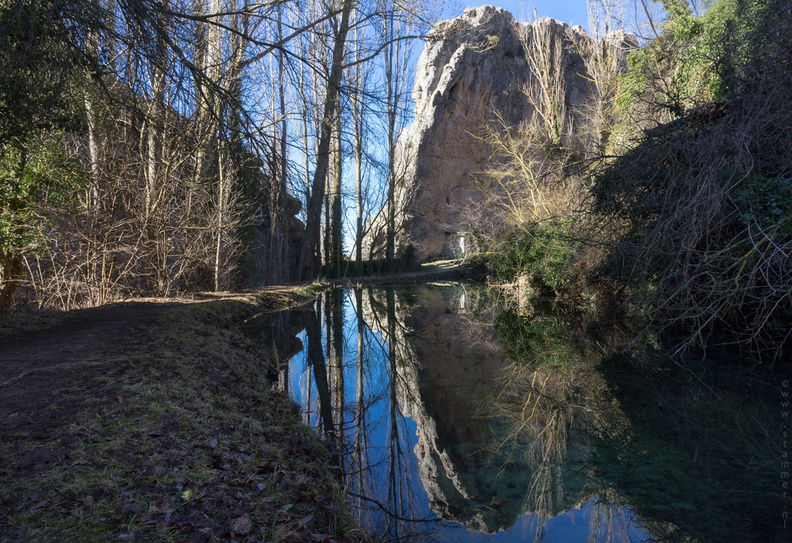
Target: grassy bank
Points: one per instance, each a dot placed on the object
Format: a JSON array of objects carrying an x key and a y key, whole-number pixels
[{"x": 179, "y": 438}]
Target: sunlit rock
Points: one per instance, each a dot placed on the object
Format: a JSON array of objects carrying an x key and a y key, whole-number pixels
[{"x": 472, "y": 68}]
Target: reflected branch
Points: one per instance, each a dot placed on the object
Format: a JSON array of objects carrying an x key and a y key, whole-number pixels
[{"x": 394, "y": 516}]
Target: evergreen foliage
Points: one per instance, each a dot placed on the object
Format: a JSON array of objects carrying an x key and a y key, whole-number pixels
[
  {"x": 41, "y": 54},
  {"x": 543, "y": 251},
  {"x": 47, "y": 176}
]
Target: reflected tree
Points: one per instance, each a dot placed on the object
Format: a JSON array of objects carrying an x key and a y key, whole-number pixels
[{"x": 316, "y": 361}]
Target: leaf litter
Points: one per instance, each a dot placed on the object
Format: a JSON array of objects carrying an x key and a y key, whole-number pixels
[{"x": 180, "y": 437}]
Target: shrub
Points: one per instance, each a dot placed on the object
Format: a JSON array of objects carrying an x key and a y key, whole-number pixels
[
  {"x": 543, "y": 251},
  {"x": 702, "y": 200}
]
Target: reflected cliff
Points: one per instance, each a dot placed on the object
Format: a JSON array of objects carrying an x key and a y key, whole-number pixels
[{"x": 455, "y": 419}]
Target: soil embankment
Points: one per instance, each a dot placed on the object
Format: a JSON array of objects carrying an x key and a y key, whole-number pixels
[{"x": 154, "y": 421}]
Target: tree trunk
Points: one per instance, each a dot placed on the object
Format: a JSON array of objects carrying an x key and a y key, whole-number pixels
[
  {"x": 390, "y": 228},
  {"x": 393, "y": 81},
  {"x": 11, "y": 272},
  {"x": 336, "y": 253},
  {"x": 357, "y": 97},
  {"x": 279, "y": 234},
  {"x": 317, "y": 196},
  {"x": 154, "y": 181}
]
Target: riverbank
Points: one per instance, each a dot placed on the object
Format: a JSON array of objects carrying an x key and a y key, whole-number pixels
[{"x": 157, "y": 421}]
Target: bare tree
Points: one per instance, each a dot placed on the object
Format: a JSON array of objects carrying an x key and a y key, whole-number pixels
[
  {"x": 357, "y": 97},
  {"x": 318, "y": 185}
]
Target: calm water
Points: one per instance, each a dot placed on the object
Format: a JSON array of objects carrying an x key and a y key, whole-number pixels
[{"x": 455, "y": 419}]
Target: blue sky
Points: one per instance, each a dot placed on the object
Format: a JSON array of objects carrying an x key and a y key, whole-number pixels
[{"x": 572, "y": 12}]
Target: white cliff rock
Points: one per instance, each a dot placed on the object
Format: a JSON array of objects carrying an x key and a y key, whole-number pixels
[{"x": 472, "y": 67}]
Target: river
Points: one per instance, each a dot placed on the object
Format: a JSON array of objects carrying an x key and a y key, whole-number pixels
[{"x": 454, "y": 417}]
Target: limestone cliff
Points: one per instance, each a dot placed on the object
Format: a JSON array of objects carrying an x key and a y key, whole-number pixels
[{"x": 472, "y": 67}]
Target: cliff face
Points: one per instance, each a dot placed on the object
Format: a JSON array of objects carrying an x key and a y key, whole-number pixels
[{"x": 472, "y": 67}]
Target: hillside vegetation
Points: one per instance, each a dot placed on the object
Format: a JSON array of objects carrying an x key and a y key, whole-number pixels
[{"x": 685, "y": 211}]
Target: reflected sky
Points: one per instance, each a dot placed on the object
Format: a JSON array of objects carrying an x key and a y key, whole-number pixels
[
  {"x": 377, "y": 358},
  {"x": 453, "y": 417}
]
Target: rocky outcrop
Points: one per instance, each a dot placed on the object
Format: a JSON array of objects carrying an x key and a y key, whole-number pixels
[
  {"x": 472, "y": 68},
  {"x": 274, "y": 256}
]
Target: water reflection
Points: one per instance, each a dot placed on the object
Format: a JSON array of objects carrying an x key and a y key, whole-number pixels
[{"x": 441, "y": 437}]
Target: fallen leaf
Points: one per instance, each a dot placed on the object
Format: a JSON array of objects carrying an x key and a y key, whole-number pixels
[
  {"x": 38, "y": 505},
  {"x": 167, "y": 507},
  {"x": 37, "y": 456},
  {"x": 131, "y": 509},
  {"x": 305, "y": 520}
]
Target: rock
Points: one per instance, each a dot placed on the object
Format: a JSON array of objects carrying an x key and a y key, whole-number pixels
[
  {"x": 263, "y": 260},
  {"x": 472, "y": 67},
  {"x": 241, "y": 525}
]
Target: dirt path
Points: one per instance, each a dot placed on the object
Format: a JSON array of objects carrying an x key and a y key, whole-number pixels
[{"x": 46, "y": 372}]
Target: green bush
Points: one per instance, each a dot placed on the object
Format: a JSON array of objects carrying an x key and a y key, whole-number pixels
[
  {"x": 542, "y": 251},
  {"x": 764, "y": 201},
  {"x": 700, "y": 205},
  {"x": 42, "y": 176}
]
